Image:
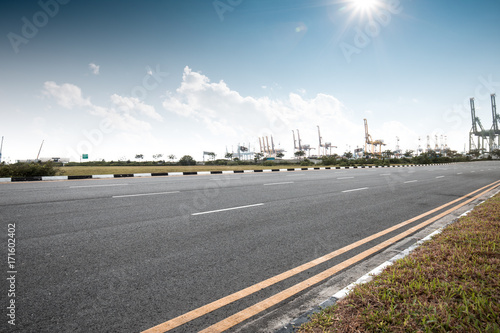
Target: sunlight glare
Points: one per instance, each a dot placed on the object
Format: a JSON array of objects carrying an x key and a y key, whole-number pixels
[{"x": 364, "y": 5}]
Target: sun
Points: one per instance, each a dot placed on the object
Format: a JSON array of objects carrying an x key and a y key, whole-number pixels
[{"x": 364, "y": 5}]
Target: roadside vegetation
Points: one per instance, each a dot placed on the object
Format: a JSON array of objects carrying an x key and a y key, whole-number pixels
[
  {"x": 188, "y": 163},
  {"x": 449, "y": 284},
  {"x": 32, "y": 169}
]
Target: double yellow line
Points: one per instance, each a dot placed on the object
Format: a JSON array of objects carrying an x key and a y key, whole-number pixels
[{"x": 279, "y": 297}]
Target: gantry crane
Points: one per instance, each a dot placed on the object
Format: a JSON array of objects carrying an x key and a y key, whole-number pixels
[
  {"x": 495, "y": 128},
  {"x": 326, "y": 146},
  {"x": 481, "y": 134},
  {"x": 372, "y": 143},
  {"x": 269, "y": 150},
  {"x": 398, "y": 150},
  {"x": 301, "y": 147}
]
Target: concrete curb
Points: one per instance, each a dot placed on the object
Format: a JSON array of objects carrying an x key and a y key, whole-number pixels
[{"x": 191, "y": 173}]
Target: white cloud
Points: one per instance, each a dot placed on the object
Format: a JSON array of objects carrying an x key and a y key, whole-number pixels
[
  {"x": 130, "y": 104},
  {"x": 70, "y": 96},
  {"x": 94, "y": 68},
  {"x": 67, "y": 95},
  {"x": 235, "y": 118}
]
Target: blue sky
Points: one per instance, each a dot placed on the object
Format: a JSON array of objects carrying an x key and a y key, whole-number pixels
[{"x": 118, "y": 78}]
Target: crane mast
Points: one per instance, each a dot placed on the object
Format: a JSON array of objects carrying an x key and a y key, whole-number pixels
[
  {"x": 300, "y": 144},
  {"x": 496, "y": 117},
  {"x": 495, "y": 129},
  {"x": 372, "y": 143},
  {"x": 320, "y": 143},
  {"x": 480, "y": 133}
]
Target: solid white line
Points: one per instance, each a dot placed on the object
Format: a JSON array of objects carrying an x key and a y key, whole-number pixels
[
  {"x": 356, "y": 189},
  {"x": 98, "y": 185},
  {"x": 440, "y": 177},
  {"x": 278, "y": 183},
  {"x": 49, "y": 178},
  {"x": 142, "y": 174},
  {"x": 459, "y": 173},
  {"x": 143, "y": 194},
  {"x": 345, "y": 177},
  {"x": 410, "y": 181},
  {"x": 225, "y": 209},
  {"x": 385, "y": 174},
  {"x": 102, "y": 176}
]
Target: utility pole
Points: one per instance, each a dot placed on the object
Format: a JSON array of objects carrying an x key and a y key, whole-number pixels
[{"x": 1, "y": 147}]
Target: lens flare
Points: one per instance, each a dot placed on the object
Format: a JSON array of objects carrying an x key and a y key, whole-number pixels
[{"x": 364, "y": 5}]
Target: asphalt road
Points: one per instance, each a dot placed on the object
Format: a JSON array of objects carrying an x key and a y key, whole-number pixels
[{"x": 123, "y": 255}]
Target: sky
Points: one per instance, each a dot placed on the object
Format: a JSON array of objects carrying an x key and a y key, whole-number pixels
[{"x": 117, "y": 78}]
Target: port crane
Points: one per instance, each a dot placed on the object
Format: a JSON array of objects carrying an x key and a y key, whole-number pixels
[{"x": 369, "y": 142}]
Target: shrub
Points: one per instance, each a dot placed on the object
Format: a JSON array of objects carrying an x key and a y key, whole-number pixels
[
  {"x": 187, "y": 160},
  {"x": 306, "y": 162},
  {"x": 28, "y": 169}
]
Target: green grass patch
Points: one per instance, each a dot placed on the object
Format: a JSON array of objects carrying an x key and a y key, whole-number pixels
[
  {"x": 449, "y": 284},
  {"x": 105, "y": 170}
]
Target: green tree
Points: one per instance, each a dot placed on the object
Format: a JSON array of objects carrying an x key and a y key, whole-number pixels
[
  {"x": 187, "y": 160},
  {"x": 258, "y": 156},
  {"x": 408, "y": 153},
  {"x": 280, "y": 155},
  {"x": 386, "y": 154},
  {"x": 139, "y": 156},
  {"x": 475, "y": 152},
  {"x": 229, "y": 156},
  {"x": 348, "y": 155},
  {"x": 171, "y": 157},
  {"x": 299, "y": 154}
]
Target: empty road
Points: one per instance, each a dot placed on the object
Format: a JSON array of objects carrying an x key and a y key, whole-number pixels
[{"x": 125, "y": 255}]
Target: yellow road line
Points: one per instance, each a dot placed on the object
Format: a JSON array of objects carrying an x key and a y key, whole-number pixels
[
  {"x": 203, "y": 310},
  {"x": 281, "y": 296}
]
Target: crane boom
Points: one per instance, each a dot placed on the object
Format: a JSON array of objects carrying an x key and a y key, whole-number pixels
[
  {"x": 473, "y": 115},
  {"x": 37, "y": 156},
  {"x": 496, "y": 117},
  {"x": 300, "y": 144}
]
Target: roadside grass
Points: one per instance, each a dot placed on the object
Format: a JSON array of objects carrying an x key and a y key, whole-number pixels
[
  {"x": 109, "y": 170},
  {"x": 449, "y": 284},
  {"x": 106, "y": 170}
]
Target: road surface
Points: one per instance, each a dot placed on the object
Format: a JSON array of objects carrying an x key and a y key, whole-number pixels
[{"x": 125, "y": 255}]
